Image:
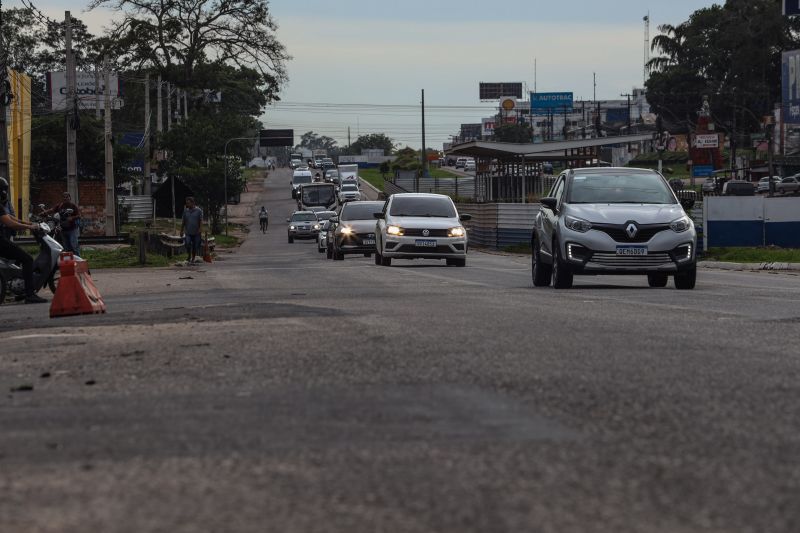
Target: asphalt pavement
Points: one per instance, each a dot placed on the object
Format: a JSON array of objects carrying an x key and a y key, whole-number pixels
[{"x": 279, "y": 391}]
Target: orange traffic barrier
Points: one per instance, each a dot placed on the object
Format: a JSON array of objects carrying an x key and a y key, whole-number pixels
[{"x": 76, "y": 293}]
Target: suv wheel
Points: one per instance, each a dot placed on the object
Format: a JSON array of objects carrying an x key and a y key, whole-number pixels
[
  {"x": 338, "y": 256},
  {"x": 685, "y": 281},
  {"x": 377, "y": 259},
  {"x": 562, "y": 276},
  {"x": 386, "y": 261},
  {"x": 541, "y": 273},
  {"x": 657, "y": 280},
  {"x": 290, "y": 239}
]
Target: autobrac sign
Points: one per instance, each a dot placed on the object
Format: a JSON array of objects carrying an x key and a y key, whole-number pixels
[{"x": 790, "y": 87}]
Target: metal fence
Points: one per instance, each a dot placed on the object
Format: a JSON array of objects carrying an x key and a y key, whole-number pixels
[{"x": 499, "y": 225}]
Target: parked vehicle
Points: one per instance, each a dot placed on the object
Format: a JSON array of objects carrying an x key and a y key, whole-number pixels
[
  {"x": 469, "y": 166},
  {"x": 739, "y": 188},
  {"x": 316, "y": 195},
  {"x": 302, "y": 225},
  {"x": 461, "y": 162},
  {"x": 613, "y": 221},
  {"x": 349, "y": 192},
  {"x": 763, "y": 184},
  {"x": 300, "y": 177},
  {"x": 711, "y": 185},
  {"x": 353, "y": 231},
  {"x": 45, "y": 267},
  {"x": 414, "y": 226},
  {"x": 790, "y": 185}
]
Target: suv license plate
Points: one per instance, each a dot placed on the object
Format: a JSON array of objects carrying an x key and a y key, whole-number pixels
[
  {"x": 367, "y": 242},
  {"x": 425, "y": 244},
  {"x": 631, "y": 250}
]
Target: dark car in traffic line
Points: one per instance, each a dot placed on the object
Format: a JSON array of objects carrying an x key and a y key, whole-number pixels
[{"x": 353, "y": 231}]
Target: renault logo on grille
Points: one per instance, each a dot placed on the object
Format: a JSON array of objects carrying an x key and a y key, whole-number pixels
[
  {"x": 631, "y": 230},
  {"x": 426, "y": 232}
]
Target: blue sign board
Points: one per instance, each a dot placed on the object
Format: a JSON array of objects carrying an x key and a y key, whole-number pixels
[
  {"x": 790, "y": 87},
  {"x": 543, "y": 102},
  {"x": 617, "y": 115},
  {"x": 791, "y": 7},
  {"x": 702, "y": 171}
]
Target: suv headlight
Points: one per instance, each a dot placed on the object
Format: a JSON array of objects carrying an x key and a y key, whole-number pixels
[
  {"x": 292, "y": 227},
  {"x": 456, "y": 232},
  {"x": 346, "y": 230},
  {"x": 577, "y": 224},
  {"x": 680, "y": 225},
  {"x": 394, "y": 230}
]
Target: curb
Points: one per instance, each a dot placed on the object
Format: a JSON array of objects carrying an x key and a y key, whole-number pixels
[
  {"x": 786, "y": 267},
  {"x": 370, "y": 186}
]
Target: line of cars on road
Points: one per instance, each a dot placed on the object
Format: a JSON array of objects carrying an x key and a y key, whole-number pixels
[
  {"x": 782, "y": 186},
  {"x": 594, "y": 221}
]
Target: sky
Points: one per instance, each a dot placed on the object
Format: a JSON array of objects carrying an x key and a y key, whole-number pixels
[{"x": 351, "y": 53}]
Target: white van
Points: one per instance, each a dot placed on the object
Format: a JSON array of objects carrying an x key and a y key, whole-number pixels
[{"x": 300, "y": 177}]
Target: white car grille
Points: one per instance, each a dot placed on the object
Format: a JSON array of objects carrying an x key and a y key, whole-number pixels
[{"x": 611, "y": 259}]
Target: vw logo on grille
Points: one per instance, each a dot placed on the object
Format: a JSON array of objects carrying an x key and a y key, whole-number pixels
[
  {"x": 426, "y": 232},
  {"x": 631, "y": 230}
]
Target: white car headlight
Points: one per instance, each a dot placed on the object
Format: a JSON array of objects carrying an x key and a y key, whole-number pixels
[
  {"x": 680, "y": 225},
  {"x": 292, "y": 227},
  {"x": 394, "y": 230},
  {"x": 577, "y": 224},
  {"x": 456, "y": 232},
  {"x": 345, "y": 230},
  {"x": 316, "y": 226}
]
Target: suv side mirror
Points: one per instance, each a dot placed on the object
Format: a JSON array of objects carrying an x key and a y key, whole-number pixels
[
  {"x": 549, "y": 202},
  {"x": 379, "y": 216},
  {"x": 465, "y": 218}
]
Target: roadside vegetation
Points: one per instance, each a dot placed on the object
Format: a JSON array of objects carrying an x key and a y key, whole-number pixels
[{"x": 753, "y": 255}]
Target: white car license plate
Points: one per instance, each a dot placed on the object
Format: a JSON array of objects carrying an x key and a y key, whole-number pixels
[
  {"x": 425, "y": 244},
  {"x": 631, "y": 250},
  {"x": 368, "y": 242}
]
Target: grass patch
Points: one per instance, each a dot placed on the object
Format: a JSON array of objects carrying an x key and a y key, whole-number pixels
[
  {"x": 524, "y": 248},
  {"x": 753, "y": 255},
  {"x": 372, "y": 176},
  {"x": 124, "y": 257},
  {"x": 226, "y": 241}
]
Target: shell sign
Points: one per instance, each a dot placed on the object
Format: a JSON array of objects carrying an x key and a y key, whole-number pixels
[{"x": 508, "y": 104}]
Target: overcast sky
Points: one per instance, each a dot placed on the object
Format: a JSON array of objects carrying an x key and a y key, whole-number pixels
[{"x": 379, "y": 52}]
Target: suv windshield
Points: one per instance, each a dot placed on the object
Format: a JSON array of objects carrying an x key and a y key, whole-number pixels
[
  {"x": 349, "y": 187},
  {"x": 304, "y": 217},
  {"x": 619, "y": 189},
  {"x": 421, "y": 206},
  {"x": 301, "y": 179},
  {"x": 360, "y": 211}
]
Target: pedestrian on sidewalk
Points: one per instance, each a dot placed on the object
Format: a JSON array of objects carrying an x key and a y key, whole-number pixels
[
  {"x": 192, "y": 229},
  {"x": 263, "y": 218}
]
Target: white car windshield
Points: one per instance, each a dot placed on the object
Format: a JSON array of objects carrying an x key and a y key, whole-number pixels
[
  {"x": 360, "y": 210},
  {"x": 421, "y": 206},
  {"x": 619, "y": 189},
  {"x": 349, "y": 187}
]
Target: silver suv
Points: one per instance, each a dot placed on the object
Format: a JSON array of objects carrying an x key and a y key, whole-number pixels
[{"x": 613, "y": 221}]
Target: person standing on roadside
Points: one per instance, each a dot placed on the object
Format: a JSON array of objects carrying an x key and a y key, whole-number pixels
[
  {"x": 192, "y": 228},
  {"x": 70, "y": 215},
  {"x": 263, "y": 218}
]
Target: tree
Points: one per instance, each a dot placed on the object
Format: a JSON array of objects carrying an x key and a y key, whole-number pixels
[
  {"x": 373, "y": 141},
  {"x": 720, "y": 52},
  {"x": 407, "y": 159},
  {"x": 174, "y": 37},
  {"x": 513, "y": 133},
  {"x": 312, "y": 141}
]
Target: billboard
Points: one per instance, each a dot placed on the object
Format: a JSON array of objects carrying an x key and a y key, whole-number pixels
[
  {"x": 790, "y": 87},
  {"x": 277, "y": 138},
  {"x": 85, "y": 90},
  {"x": 617, "y": 114},
  {"x": 706, "y": 140},
  {"x": 471, "y": 131},
  {"x": 487, "y": 126},
  {"x": 543, "y": 102},
  {"x": 791, "y": 7},
  {"x": 495, "y": 91}
]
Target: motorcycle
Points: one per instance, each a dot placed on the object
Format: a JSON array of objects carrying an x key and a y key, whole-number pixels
[{"x": 45, "y": 267}]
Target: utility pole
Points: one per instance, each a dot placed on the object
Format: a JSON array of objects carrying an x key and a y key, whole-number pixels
[
  {"x": 159, "y": 105},
  {"x": 169, "y": 106},
  {"x": 5, "y": 100},
  {"x": 111, "y": 206},
  {"x": 185, "y": 106},
  {"x": 534, "y": 75},
  {"x": 72, "y": 121},
  {"x": 348, "y": 138},
  {"x": 96, "y": 92},
  {"x": 424, "y": 148},
  {"x": 147, "y": 121},
  {"x": 594, "y": 76}
]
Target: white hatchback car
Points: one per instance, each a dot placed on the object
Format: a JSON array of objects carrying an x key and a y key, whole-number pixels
[{"x": 420, "y": 226}]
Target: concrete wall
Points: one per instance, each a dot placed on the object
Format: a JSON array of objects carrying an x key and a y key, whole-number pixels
[{"x": 752, "y": 221}]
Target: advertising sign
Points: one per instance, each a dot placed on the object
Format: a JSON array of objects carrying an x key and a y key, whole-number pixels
[
  {"x": 791, "y": 7},
  {"x": 85, "y": 89},
  {"x": 617, "y": 114},
  {"x": 706, "y": 141},
  {"x": 495, "y": 91},
  {"x": 702, "y": 171},
  {"x": 470, "y": 132},
  {"x": 790, "y": 86},
  {"x": 488, "y": 126},
  {"x": 542, "y": 102},
  {"x": 277, "y": 138}
]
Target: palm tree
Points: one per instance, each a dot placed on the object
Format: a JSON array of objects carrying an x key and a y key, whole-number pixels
[{"x": 671, "y": 44}]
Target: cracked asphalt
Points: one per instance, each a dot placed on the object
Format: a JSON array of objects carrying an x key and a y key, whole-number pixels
[{"x": 278, "y": 391}]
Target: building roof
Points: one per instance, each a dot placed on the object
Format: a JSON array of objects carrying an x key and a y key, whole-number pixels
[{"x": 545, "y": 150}]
